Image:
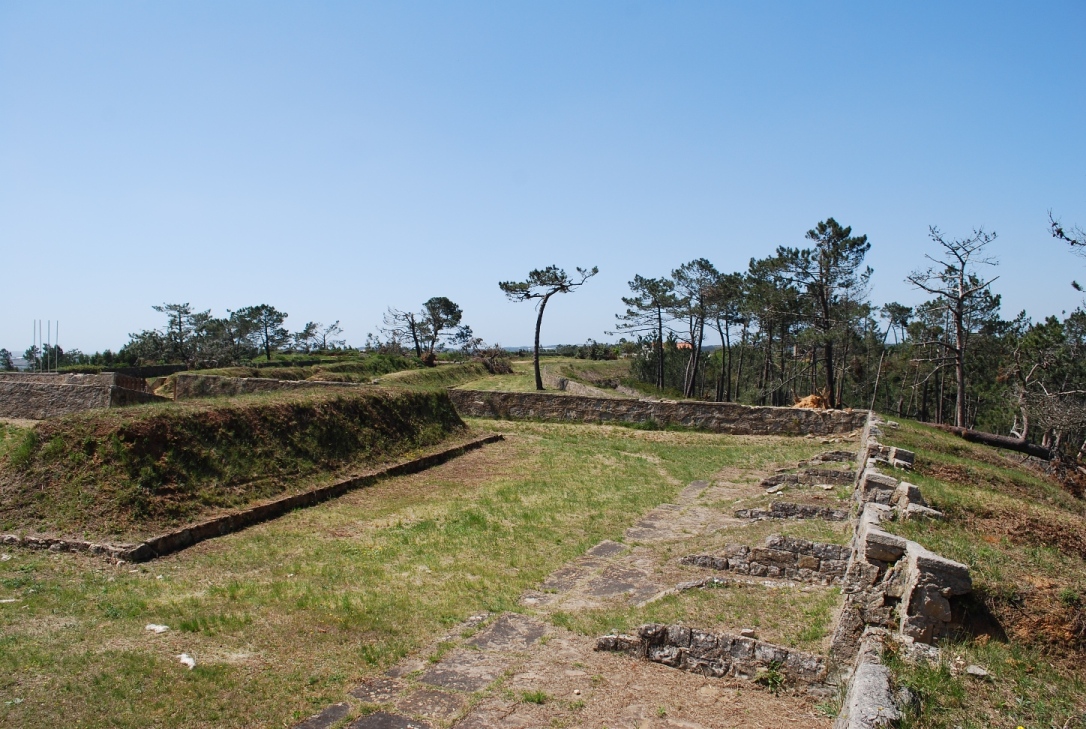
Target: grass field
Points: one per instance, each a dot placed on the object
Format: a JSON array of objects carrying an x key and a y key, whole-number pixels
[{"x": 283, "y": 618}]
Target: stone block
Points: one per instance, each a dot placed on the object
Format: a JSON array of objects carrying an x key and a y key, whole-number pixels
[
  {"x": 883, "y": 546},
  {"x": 918, "y": 627},
  {"x": 900, "y": 454},
  {"x": 907, "y": 493},
  {"x": 876, "y": 487},
  {"x": 929, "y": 602},
  {"x": 915, "y": 511},
  {"x": 951, "y": 577},
  {"x": 808, "y": 562}
]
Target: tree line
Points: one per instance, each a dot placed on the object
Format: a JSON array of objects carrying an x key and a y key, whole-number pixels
[{"x": 800, "y": 324}]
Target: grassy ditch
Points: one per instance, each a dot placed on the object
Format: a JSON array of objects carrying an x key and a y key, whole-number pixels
[
  {"x": 285, "y": 617},
  {"x": 1024, "y": 538},
  {"x": 136, "y": 471}
]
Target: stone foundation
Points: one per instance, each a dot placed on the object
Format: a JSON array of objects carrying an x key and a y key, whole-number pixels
[
  {"x": 781, "y": 557},
  {"x": 716, "y": 654},
  {"x": 786, "y": 510}
]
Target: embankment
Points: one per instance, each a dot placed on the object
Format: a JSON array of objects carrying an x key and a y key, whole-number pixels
[{"x": 139, "y": 471}]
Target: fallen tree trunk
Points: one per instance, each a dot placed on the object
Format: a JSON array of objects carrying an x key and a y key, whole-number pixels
[{"x": 998, "y": 441}]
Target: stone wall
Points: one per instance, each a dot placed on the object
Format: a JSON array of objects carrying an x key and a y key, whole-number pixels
[
  {"x": 716, "y": 654},
  {"x": 38, "y": 396},
  {"x": 715, "y": 417},
  {"x": 188, "y": 386},
  {"x": 38, "y": 400},
  {"x": 788, "y": 510},
  {"x": 784, "y": 557}
]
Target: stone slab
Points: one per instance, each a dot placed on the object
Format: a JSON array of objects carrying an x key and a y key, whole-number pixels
[
  {"x": 607, "y": 548},
  {"x": 432, "y": 704},
  {"x": 466, "y": 670},
  {"x": 378, "y": 690},
  {"x": 327, "y": 718},
  {"x": 384, "y": 720},
  {"x": 509, "y": 632}
]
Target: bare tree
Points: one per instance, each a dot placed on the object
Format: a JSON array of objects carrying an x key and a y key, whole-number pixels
[
  {"x": 959, "y": 292},
  {"x": 405, "y": 325},
  {"x": 1074, "y": 237},
  {"x": 542, "y": 284}
]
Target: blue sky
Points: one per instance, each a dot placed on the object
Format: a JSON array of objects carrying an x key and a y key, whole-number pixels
[{"x": 333, "y": 159}]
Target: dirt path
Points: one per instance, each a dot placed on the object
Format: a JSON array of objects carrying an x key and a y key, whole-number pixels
[{"x": 521, "y": 670}]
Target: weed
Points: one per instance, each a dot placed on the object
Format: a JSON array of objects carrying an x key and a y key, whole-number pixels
[
  {"x": 535, "y": 697},
  {"x": 23, "y": 453},
  {"x": 771, "y": 677}
]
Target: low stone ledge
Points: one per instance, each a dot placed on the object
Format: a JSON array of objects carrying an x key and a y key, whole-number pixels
[
  {"x": 891, "y": 456},
  {"x": 781, "y": 557},
  {"x": 868, "y": 703},
  {"x": 787, "y": 510},
  {"x": 54, "y": 544},
  {"x": 716, "y": 655},
  {"x": 809, "y": 477}
]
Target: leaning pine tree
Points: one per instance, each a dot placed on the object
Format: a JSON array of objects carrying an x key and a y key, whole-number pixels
[{"x": 542, "y": 285}]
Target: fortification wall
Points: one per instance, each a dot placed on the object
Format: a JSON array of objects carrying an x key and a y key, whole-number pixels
[
  {"x": 38, "y": 401},
  {"x": 715, "y": 417},
  {"x": 39, "y": 396}
]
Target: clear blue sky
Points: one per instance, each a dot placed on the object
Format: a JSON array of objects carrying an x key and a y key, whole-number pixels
[{"x": 333, "y": 159}]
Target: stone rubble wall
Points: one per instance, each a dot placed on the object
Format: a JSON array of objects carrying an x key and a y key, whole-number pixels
[
  {"x": 810, "y": 477},
  {"x": 714, "y": 417},
  {"x": 716, "y": 654},
  {"x": 781, "y": 557},
  {"x": 893, "y": 587},
  {"x": 788, "y": 510},
  {"x": 188, "y": 386},
  {"x": 40, "y": 401},
  {"x": 40, "y": 396}
]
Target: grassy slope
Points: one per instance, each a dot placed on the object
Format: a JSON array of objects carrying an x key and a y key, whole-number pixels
[
  {"x": 1025, "y": 541},
  {"x": 361, "y": 369},
  {"x": 436, "y": 378},
  {"x": 285, "y": 617},
  {"x": 135, "y": 471}
]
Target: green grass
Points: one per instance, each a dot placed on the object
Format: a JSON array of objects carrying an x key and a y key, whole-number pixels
[
  {"x": 1024, "y": 540},
  {"x": 436, "y": 378},
  {"x": 285, "y": 617}
]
